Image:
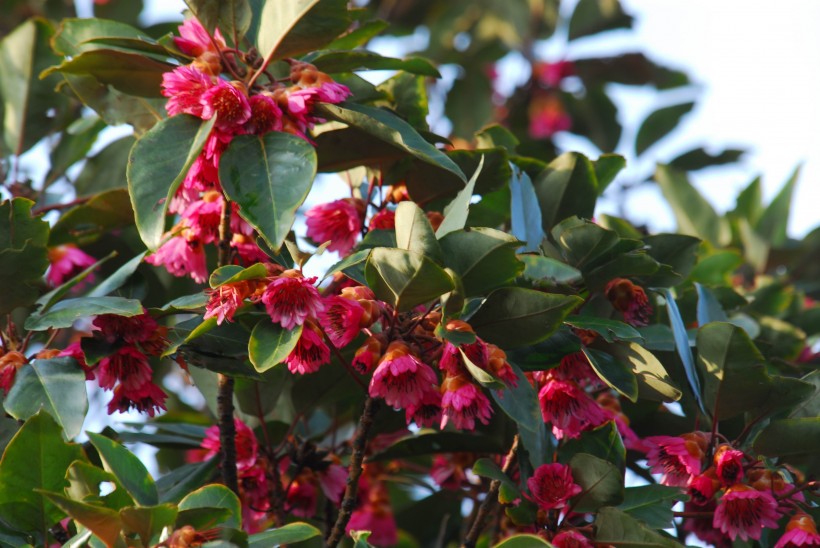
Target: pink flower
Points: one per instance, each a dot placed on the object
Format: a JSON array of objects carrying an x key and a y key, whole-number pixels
[
  {"x": 676, "y": 458},
  {"x": 75, "y": 350},
  {"x": 452, "y": 361},
  {"x": 426, "y": 412},
  {"x": 184, "y": 87},
  {"x": 224, "y": 300},
  {"x": 181, "y": 257},
  {"x": 291, "y": 298},
  {"x": 400, "y": 378},
  {"x": 729, "y": 465},
  {"x": 379, "y": 521},
  {"x": 265, "y": 115},
  {"x": 194, "y": 40},
  {"x": 310, "y": 353},
  {"x": 463, "y": 403},
  {"x": 744, "y": 512},
  {"x": 568, "y": 408},
  {"x": 255, "y": 495},
  {"x": 570, "y": 538},
  {"x": 333, "y": 480},
  {"x": 247, "y": 446},
  {"x": 341, "y": 319},
  {"x": 383, "y": 220},
  {"x": 630, "y": 300},
  {"x": 133, "y": 329},
  {"x": 202, "y": 217},
  {"x": 702, "y": 527},
  {"x": 148, "y": 398},
  {"x": 552, "y": 486},
  {"x": 547, "y": 117},
  {"x": 368, "y": 355},
  {"x": 702, "y": 488},
  {"x": 128, "y": 366},
  {"x": 449, "y": 471},
  {"x": 338, "y": 221},
  {"x": 800, "y": 531},
  {"x": 67, "y": 261},
  {"x": 551, "y": 74},
  {"x": 225, "y": 101},
  {"x": 301, "y": 498}
]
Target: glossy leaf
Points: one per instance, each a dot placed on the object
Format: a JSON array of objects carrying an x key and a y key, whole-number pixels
[
  {"x": 514, "y": 316},
  {"x": 215, "y": 496},
  {"x": 677, "y": 255},
  {"x": 429, "y": 442},
  {"x": 709, "y": 308},
  {"x": 148, "y": 521},
  {"x": 601, "y": 481},
  {"x": 133, "y": 74},
  {"x": 545, "y": 269},
  {"x": 118, "y": 278},
  {"x": 104, "y": 522},
  {"x": 232, "y": 273},
  {"x": 455, "y": 214},
  {"x": 659, "y": 124},
  {"x": 56, "y": 385},
  {"x": 270, "y": 344},
  {"x": 607, "y": 167},
  {"x": 653, "y": 380},
  {"x": 683, "y": 348},
  {"x": 35, "y": 459},
  {"x": 789, "y": 437},
  {"x": 269, "y": 177},
  {"x": 652, "y": 504},
  {"x": 85, "y": 480},
  {"x": 127, "y": 468},
  {"x": 695, "y": 216},
  {"x": 525, "y": 213},
  {"x": 65, "y": 313},
  {"x": 568, "y": 187},
  {"x": 231, "y": 17},
  {"x": 349, "y": 61},
  {"x": 292, "y": 532},
  {"x": 287, "y": 29},
  {"x": 613, "y": 526},
  {"x": 106, "y": 211},
  {"x": 76, "y": 35},
  {"x": 405, "y": 278},
  {"x": 614, "y": 373},
  {"x": 699, "y": 158},
  {"x": 158, "y": 163},
  {"x": 609, "y": 329},
  {"x": 773, "y": 222},
  {"x": 484, "y": 258},
  {"x": 603, "y": 442},
  {"x": 414, "y": 232}
]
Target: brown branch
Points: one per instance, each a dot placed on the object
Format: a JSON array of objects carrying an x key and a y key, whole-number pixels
[
  {"x": 354, "y": 472},
  {"x": 489, "y": 502}
]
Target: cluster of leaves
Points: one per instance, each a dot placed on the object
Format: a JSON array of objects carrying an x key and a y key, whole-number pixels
[{"x": 511, "y": 250}]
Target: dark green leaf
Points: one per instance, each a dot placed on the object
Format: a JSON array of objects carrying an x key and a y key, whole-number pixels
[
  {"x": 607, "y": 167},
  {"x": 107, "y": 211},
  {"x": 409, "y": 98},
  {"x": 148, "y": 521},
  {"x": 22, "y": 226},
  {"x": 683, "y": 348},
  {"x": 428, "y": 442},
  {"x": 652, "y": 504},
  {"x": 287, "y": 29},
  {"x": 514, "y": 316},
  {"x": 292, "y": 532},
  {"x": 414, "y": 232},
  {"x": 484, "y": 258},
  {"x": 133, "y": 74},
  {"x": 602, "y": 483},
  {"x": 56, "y": 385},
  {"x": 231, "y": 17},
  {"x": 65, "y": 313},
  {"x": 106, "y": 169},
  {"x": 270, "y": 344},
  {"x": 694, "y": 214},
  {"x": 612, "y": 526},
  {"x": 118, "y": 278},
  {"x": 631, "y": 69},
  {"x": 659, "y": 124},
  {"x": 75, "y": 36},
  {"x": 269, "y": 177},
  {"x": 349, "y": 61},
  {"x": 699, "y": 158},
  {"x": 676, "y": 253},
  {"x": 127, "y": 468},
  {"x": 404, "y": 278},
  {"x": 610, "y": 330},
  {"x": 614, "y": 373},
  {"x": 603, "y": 442},
  {"x": 540, "y": 268},
  {"x": 215, "y": 496},
  {"x": 568, "y": 187},
  {"x": 181, "y": 481},
  {"x": 789, "y": 437},
  {"x": 158, "y": 163},
  {"x": 594, "y": 16}
]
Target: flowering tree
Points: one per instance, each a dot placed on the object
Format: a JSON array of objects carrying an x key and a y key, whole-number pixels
[{"x": 482, "y": 362}]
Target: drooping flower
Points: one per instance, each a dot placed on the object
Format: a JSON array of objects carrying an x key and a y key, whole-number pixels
[
  {"x": 568, "y": 408},
  {"x": 67, "y": 261},
  {"x": 184, "y": 86},
  {"x": 728, "y": 465},
  {"x": 75, "y": 350},
  {"x": 547, "y": 116},
  {"x": 224, "y": 301},
  {"x": 368, "y": 355},
  {"x": 744, "y": 512},
  {"x": 401, "y": 378},
  {"x": 128, "y": 366},
  {"x": 131, "y": 329},
  {"x": 702, "y": 488},
  {"x": 181, "y": 257},
  {"x": 310, "y": 352},
  {"x": 426, "y": 412},
  {"x": 498, "y": 366},
  {"x": 341, "y": 319},
  {"x": 571, "y": 538},
  {"x": 247, "y": 445},
  {"x": 228, "y": 101},
  {"x": 302, "y": 496},
  {"x": 800, "y": 531},
  {"x": 202, "y": 217},
  {"x": 552, "y": 485},
  {"x": 339, "y": 221},
  {"x": 630, "y": 300},
  {"x": 775, "y": 483},
  {"x": 702, "y": 527},
  {"x": 463, "y": 403},
  {"x": 148, "y": 398},
  {"x": 290, "y": 299},
  {"x": 255, "y": 495},
  {"x": 10, "y": 362},
  {"x": 265, "y": 116},
  {"x": 677, "y": 458}
]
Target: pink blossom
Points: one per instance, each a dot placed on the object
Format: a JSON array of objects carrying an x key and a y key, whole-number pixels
[
  {"x": 148, "y": 398},
  {"x": 570, "y": 538},
  {"x": 702, "y": 488},
  {"x": 184, "y": 86},
  {"x": 338, "y": 221},
  {"x": 202, "y": 217},
  {"x": 341, "y": 318},
  {"x": 265, "y": 115},
  {"x": 552, "y": 486},
  {"x": 401, "y": 378},
  {"x": 247, "y": 445},
  {"x": 368, "y": 355},
  {"x": 728, "y": 465},
  {"x": 744, "y": 512},
  {"x": 568, "y": 408},
  {"x": 677, "y": 458},
  {"x": 128, "y": 366},
  {"x": 291, "y": 298},
  {"x": 133, "y": 329},
  {"x": 463, "y": 403},
  {"x": 194, "y": 40},
  {"x": 224, "y": 300},
  {"x": 800, "y": 531},
  {"x": 426, "y": 412},
  {"x": 301, "y": 498},
  {"x": 333, "y": 480},
  {"x": 67, "y": 261},
  {"x": 225, "y": 101},
  {"x": 551, "y": 74},
  {"x": 75, "y": 350},
  {"x": 310, "y": 352},
  {"x": 547, "y": 117},
  {"x": 379, "y": 521},
  {"x": 255, "y": 496},
  {"x": 181, "y": 257}
]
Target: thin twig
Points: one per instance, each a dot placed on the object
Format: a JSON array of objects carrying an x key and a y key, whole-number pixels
[
  {"x": 354, "y": 472},
  {"x": 489, "y": 501}
]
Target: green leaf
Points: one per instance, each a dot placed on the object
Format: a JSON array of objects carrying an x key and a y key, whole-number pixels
[
  {"x": 105, "y": 212},
  {"x": 567, "y": 187},
  {"x": 35, "y": 458},
  {"x": 65, "y": 313},
  {"x": 659, "y": 124},
  {"x": 28, "y": 103},
  {"x": 85, "y": 480},
  {"x": 602, "y": 483},
  {"x": 20, "y": 226},
  {"x": 118, "y": 278},
  {"x": 158, "y": 163},
  {"x": 127, "y": 468},
  {"x": 610, "y": 330},
  {"x": 699, "y": 158},
  {"x": 175, "y": 485},
  {"x": 683, "y": 348},
  {"x": 545, "y": 269},
  {"x": 612, "y": 526},
  {"x": 614, "y": 373},
  {"x": 513, "y": 316},
  {"x": 106, "y": 169},
  {"x": 774, "y": 221},
  {"x": 232, "y": 273},
  {"x": 594, "y": 16},
  {"x": 405, "y": 278},
  {"x": 676, "y": 253},
  {"x": 525, "y": 213},
  {"x": 231, "y": 17},
  {"x": 607, "y": 167},
  {"x": 484, "y": 258},
  {"x": 287, "y": 534},
  {"x": 276, "y": 20},
  {"x": 717, "y": 268},
  {"x": 430, "y": 442},
  {"x": 56, "y": 385},
  {"x": 269, "y": 177},
  {"x": 523, "y": 541},
  {"x": 652, "y": 504},
  {"x": 270, "y": 344},
  {"x": 75, "y": 143},
  {"x": 215, "y": 496},
  {"x": 482, "y": 377},
  {"x": 103, "y": 522},
  {"x": 709, "y": 309},
  {"x": 414, "y": 232},
  {"x": 695, "y": 216},
  {"x": 603, "y": 442},
  {"x": 653, "y": 380},
  {"x": 53, "y": 297},
  {"x": 19, "y": 275},
  {"x": 130, "y": 73},
  {"x": 455, "y": 213},
  {"x": 391, "y": 129},
  {"x": 749, "y": 204},
  {"x": 287, "y": 29},
  {"x": 789, "y": 437},
  {"x": 350, "y": 61},
  {"x": 409, "y": 98},
  {"x": 148, "y": 521},
  {"x": 486, "y": 468},
  {"x": 75, "y": 36}
]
